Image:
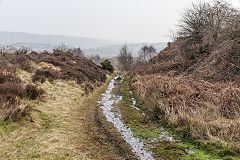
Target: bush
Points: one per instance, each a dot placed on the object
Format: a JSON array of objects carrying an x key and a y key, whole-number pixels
[
  {"x": 12, "y": 93},
  {"x": 10, "y": 88},
  {"x": 45, "y": 73},
  {"x": 107, "y": 65},
  {"x": 69, "y": 54},
  {"x": 33, "y": 92},
  {"x": 208, "y": 20},
  {"x": 66, "y": 53}
]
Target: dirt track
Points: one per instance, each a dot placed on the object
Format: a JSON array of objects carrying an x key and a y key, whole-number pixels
[{"x": 104, "y": 134}]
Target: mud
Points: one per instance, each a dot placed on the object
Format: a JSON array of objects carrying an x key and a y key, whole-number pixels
[{"x": 107, "y": 102}]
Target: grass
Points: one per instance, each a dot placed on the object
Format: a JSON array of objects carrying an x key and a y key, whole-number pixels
[
  {"x": 46, "y": 120},
  {"x": 56, "y": 128},
  {"x": 7, "y": 127},
  {"x": 191, "y": 110},
  {"x": 147, "y": 133},
  {"x": 146, "y": 128},
  {"x": 48, "y": 65}
]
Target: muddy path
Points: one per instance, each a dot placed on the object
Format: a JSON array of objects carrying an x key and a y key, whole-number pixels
[
  {"x": 147, "y": 137},
  {"x": 104, "y": 135},
  {"x": 109, "y": 130},
  {"x": 108, "y": 142}
]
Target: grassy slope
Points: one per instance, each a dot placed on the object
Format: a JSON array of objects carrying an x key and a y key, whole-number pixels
[
  {"x": 57, "y": 128},
  {"x": 145, "y": 128}
]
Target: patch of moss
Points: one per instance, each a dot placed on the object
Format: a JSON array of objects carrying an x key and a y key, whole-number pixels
[
  {"x": 146, "y": 133},
  {"x": 46, "y": 120},
  {"x": 6, "y": 127},
  {"x": 119, "y": 79},
  {"x": 168, "y": 150},
  {"x": 219, "y": 148},
  {"x": 27, "y": 68},
  {"x": 129, "y": 114}
]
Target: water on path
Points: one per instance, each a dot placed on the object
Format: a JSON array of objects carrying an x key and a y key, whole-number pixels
[{"x": 107, "y": 102}]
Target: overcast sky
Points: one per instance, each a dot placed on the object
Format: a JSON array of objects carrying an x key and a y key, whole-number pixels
[{"x": 125, "y": 20}]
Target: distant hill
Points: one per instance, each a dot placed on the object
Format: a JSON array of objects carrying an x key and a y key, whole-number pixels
[
  {"x": 90, "y": 46},
  {"x": 49, "y": 41}
]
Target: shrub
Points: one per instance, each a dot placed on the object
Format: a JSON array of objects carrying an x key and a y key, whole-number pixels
[
  {"x": 69, "y": 54},
  {"x": 78, "y": 68},
  {"x": 107, "y": 65},
  {"x": 7, "y": 77},
  {"x": 17, "y": 113},
  {"x": 10, "y": 88},
  {"x": 12, "y": 92},
  {"x": 39, "y": 78},
  {"x": 207, "y": 19},
  {"x": 21, "y": 51},
  {"x": 33, "y": 92},
  {"x": 45, "y": 73}
]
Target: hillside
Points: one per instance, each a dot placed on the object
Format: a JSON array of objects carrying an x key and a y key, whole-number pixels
[
  {"x": 49, "y": 109},
  {"x": 198, "y": 102},
  {"x": 192, "y": 86}
]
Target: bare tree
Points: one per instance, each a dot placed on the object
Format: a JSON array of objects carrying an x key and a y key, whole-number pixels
[
  {"x": 95, "y": 58},
  {"x": 206, "y": 19},
  {"x": 77, "y": 52},
  {"x": 146, "y": 53},
  {"x": 192, "y": 21},
  {"x": 125, "y": 58},
  {"x": 209, "y": 24},
  {"x": 62, "y": 47},
  {"x": 22, "y": 50}
]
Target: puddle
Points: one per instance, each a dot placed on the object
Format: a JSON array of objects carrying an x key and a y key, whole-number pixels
[
  {"x": 107, "y": 103},
  {"x": 133, "y": 101}
]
